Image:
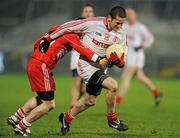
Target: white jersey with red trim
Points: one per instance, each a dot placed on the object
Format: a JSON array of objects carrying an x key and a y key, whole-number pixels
[
  {"x": 137, "y": 35},
  {"x": 97, "y": 37}
]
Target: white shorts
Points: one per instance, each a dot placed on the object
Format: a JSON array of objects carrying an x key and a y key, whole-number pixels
[
  {"x": 74, "y": 60},
  {"x": 135, "y": 59},
  {"x": 86, "y": 70}
]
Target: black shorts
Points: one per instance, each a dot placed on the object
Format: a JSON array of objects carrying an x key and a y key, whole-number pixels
[
  {"x": 74, "y": 73},
  {"x": 46, "y": 96},
  {"x": 94, "y": 85}
]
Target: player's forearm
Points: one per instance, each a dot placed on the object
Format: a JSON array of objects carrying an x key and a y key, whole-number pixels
[
  {"x": 80, "y": 48},
  {"x": 86, "y": 52}
]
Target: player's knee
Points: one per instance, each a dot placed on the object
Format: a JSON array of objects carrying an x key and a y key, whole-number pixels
[
  {"x": 139, "y": 76},
  {"x": 113, "y": 86},
  {"x": 90, "y": 101},
  {"x": 77, "y": 84},
  {"x": 51, "y": 105},
  {"x": 125, "y": 79}
]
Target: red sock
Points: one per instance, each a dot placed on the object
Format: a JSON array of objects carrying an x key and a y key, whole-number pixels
[
  {"x": 23, "y": 124},
  {"x": 20, "y": 113},
  {"x": 155, "y": 92},
  {"x": 112, "y": 116},
  {"x": 119, "y": 99},
  {"x": 69, "y": 117}
]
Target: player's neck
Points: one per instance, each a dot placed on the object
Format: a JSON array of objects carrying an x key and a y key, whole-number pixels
[{"x": 132, "y": 22}]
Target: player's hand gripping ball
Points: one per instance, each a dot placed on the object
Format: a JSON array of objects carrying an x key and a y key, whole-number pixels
[
  {"x": 103, "y": 61},
  {"x": 114, "y": 54}
]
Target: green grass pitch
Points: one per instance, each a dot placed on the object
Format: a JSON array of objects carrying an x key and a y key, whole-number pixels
[{"x": 138, "y": 111}]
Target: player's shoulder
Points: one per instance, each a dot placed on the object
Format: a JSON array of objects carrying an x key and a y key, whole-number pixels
[
  {"x": 90, "y": 20},
  {"x": 141, "y": 25},
  {"x": 96, "y": 19},
  {"x": 121, "y": 31},
  {"x": 53, "y": 28}
]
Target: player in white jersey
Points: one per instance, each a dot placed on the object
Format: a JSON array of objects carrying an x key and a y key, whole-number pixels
[
  {"x": 138, "y": 38},
  {"x": 78, "y": 87},
  {"x": 99, "y": 33}
]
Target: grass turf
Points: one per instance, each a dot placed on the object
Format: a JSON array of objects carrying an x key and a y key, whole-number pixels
[{"x": 138, "y": 111}]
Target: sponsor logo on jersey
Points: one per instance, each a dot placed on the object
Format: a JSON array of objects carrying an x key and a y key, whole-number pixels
[{"x": 103, "y": 45}]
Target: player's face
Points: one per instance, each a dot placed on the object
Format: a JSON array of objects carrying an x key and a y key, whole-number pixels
[
  {"x": 131, "y": 16},
  {"x": 88, "y": 12},
  {"x": 116, "y": 23}
]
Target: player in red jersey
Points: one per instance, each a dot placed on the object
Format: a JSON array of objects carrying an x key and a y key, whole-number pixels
[{"x": 41, "y": 78}]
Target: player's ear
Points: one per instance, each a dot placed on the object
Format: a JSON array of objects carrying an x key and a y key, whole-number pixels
[{"x": 109, "y": 18}]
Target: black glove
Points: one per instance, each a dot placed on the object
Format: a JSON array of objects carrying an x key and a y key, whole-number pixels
[
  {"x": 138, "y": 48},
  {"x": 44, "y": 45},
  {"x": 111, "y": 63}
]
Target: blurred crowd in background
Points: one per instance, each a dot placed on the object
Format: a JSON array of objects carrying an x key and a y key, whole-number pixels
[{"x": 23, "y": 21}]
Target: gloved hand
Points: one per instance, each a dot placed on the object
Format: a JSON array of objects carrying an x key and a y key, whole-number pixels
[
  {"x": 122, "y": 62},
  {"x": 113, "y": 59},
  {"x": 103, "y": 61},
  {"x": 138, "y": 48},
  {"x": 44, "y": 45}
]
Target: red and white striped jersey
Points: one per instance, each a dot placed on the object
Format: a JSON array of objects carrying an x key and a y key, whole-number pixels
[
  {"x": 97, "y": 35},
  {"x": 138, "y": 35}
]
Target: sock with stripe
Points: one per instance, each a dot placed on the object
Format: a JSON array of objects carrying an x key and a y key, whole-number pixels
[
  {"x": 19, "y": 115},
  {"x": 24, "y": 124},
  {"x": 155, "y": 92},
  {"x": 112, "y": 116},
  {"x": 69, "y": 117}
]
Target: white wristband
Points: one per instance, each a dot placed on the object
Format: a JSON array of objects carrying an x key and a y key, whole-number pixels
[{"x": 94, "y": 57}]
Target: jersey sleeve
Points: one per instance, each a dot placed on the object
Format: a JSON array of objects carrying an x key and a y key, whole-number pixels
[
  {"x": 79, "y": 47},
  {"x": 38, "y": 41},
  {"x": 147, "y": 37},
  {"x": 77, "y": 26}
]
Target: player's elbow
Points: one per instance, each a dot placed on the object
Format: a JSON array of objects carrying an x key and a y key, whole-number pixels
[
  {"x": 73, "y": 36},
  {"x": 150, "y": 41}
]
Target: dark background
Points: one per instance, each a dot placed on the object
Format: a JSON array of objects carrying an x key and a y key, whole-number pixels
[{"x": 23, "y": 21}]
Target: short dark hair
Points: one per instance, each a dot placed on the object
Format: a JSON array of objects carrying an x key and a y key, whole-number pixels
[
  {"x": 88, "y": 5},
  {"x": 117, "y": 11}
]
